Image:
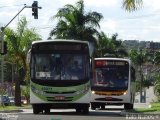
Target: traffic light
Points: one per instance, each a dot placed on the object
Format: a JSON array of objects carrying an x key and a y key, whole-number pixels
[
  {"x": 3, "y": 48},
  {"x": 35, "y": 9}
]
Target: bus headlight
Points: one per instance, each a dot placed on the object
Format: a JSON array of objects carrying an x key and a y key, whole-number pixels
[
  {"x": 25, "y": 102},
  {"x": 93, "y": 92},
  {"x": 125, "y": 93}
]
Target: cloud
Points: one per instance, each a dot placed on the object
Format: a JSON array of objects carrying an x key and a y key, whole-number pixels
[
  {"x": 64, "y": 2},
  {"x": 109, "y": 25},
  {"x": 7, "y": 14},
  {"x": 152, "y": 4},
  {"x": 93, "y": 3},
  {"x": 7, "y": 2},
  {"x": 101, "y": 3}
]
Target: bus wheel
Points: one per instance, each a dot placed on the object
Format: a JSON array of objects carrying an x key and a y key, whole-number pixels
[
  {"x": 47, "y": 110},
  {"x": 78, "y": 110},
  {"x": 93, "y": 107},
  {"x": 36, "y": 109},
  {"x": 128, "y": 106},
  {"x": 103, "y": 107},
  {"x": 85, "y": 110}
]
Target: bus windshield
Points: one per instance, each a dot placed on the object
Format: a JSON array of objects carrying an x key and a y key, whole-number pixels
[
  {"x": 111, "y": 77},
  {"x": 59, "y": 66}
]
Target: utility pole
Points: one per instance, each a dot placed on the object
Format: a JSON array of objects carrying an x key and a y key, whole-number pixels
[
  {"x": 3, "y": 45},
  {"x": 35, "y": 14}
]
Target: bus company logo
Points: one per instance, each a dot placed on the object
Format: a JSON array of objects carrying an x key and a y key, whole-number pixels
[
  {"x": 60, "y": 92},
  {"x": 46, "y": 88}
]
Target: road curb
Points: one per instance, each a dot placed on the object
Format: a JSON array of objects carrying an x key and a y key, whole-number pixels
[{"x": 11, "y": 111}]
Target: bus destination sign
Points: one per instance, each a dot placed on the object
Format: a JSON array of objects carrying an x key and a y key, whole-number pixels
[{"x": 106, "y": 63}]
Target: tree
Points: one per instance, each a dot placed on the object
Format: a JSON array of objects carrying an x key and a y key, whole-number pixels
[
  {"x": 157, "y": 87},
  {"x": 105, "y": 45},
  {"x": 19, "y": 42},
  {"x": 119, "y": 50},
  {"x": 75, "y": 23},
  {"x": 132, "y": 5},
  {"x": 157, "y": 69},
  {"x": 139, "y": 58},
  {"x": 157, "y": 57},
  {"x": 110, "y": 47}
]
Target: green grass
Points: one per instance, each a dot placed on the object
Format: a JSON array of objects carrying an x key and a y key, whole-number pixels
[
  {"x": 155, "y": 107},
  {"x": 2, "y": 108}
]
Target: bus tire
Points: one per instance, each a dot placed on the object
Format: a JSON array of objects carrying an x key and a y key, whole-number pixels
[
  {"x": 36, "y": 109},
  {"x": 128, "y": 106},
  {"x": 47, "y": 110},
  {"x": 78, "y": 110},
  {"x": 85, "y": 110},
  {"x": 82, "y": 110},
  {"x": 102, "y": 107},
  {"x": 93, "y": 107}
]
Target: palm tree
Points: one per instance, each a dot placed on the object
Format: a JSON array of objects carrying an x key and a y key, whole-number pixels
[
  {"x": 139, "y": 58},
  {"x": 110, "y": 47},
  {"x": 18, "y": 44},
  {"x": 157, "y": 57},
  {"x": 157, "y": 87},
  {"x": 75, "y": 23},
  {"x": 157, "y": 81},
  {"x": 105, "y": 45},
  {"x": 119, "y": 50},
  {"x": 132, "y": 5}
]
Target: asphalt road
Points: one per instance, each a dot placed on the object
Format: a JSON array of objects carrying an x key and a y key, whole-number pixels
[
  {"x": 27, "y": 114},
  {"x": 110, "y": 113}
]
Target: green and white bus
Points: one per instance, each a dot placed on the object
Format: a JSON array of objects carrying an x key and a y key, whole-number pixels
[
  {"x": 113, "y": 83},
  {"x": 60, "y": 75}
]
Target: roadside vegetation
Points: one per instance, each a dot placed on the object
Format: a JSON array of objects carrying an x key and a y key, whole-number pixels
[
  {"x": 3, "y": 108},
  {"x": 154, "y": 108}
]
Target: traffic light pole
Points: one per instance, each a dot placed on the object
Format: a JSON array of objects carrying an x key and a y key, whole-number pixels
[
  {"x": 2, "y": 40},
  {"x": 2, "y": 45},
  {"x": 3, "y": 28}
]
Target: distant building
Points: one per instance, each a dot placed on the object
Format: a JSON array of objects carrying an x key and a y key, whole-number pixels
[
  {"x": 153, "y": 46},
  {"x": 136, "y": 44}
]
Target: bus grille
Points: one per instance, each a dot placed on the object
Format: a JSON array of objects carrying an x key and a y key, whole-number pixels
[
  {"x": 70, "y": 92},
  {"x": 105, "y": 99}
]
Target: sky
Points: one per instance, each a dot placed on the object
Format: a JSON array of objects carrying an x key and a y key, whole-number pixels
[{"x": 142, "y": 24}]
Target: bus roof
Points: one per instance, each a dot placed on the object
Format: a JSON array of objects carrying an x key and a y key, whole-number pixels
[{"x": 59, "y": 40}]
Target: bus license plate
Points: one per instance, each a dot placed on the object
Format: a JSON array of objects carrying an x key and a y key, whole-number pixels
[{"x": 59, "y": 97}]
